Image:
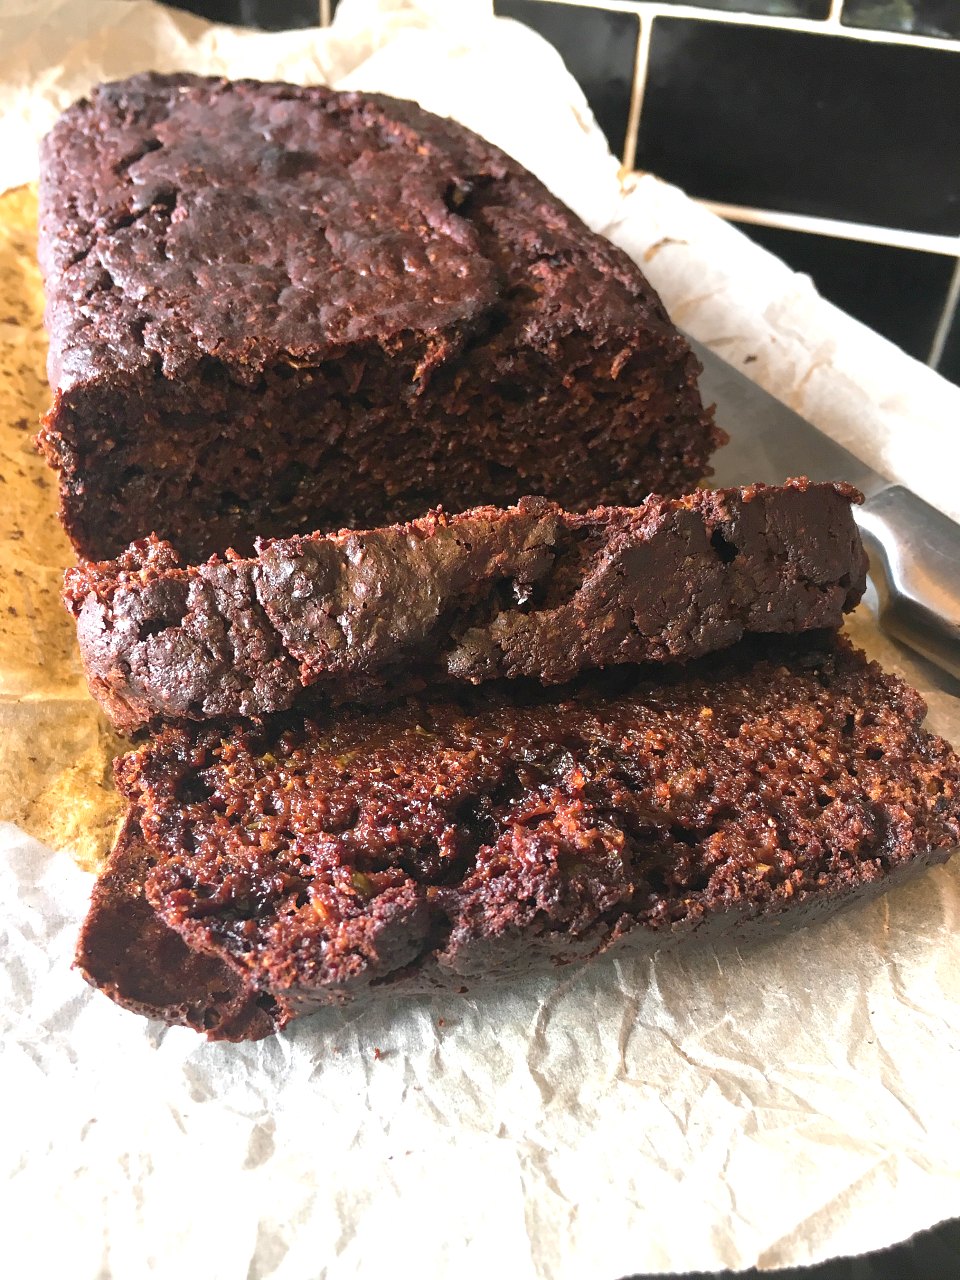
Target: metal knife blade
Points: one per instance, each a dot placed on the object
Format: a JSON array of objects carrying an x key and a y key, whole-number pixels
[
  {"x": 914, "y": 549},
  {"x": 769, "y": 442}
]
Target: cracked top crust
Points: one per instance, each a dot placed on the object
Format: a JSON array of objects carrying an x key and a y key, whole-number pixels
[
  {"x": 185, "y": 217},
  {"x": 531, "y": 590}
]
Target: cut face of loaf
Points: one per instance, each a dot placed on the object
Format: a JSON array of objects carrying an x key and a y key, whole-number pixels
[
  {"x": 269, "y": 870},
  {"x": 275, "y": 309},
  {"x": 531, "y": 590}
]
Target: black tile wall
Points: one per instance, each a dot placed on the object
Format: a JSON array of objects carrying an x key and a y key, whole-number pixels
[
  {"x": 922, "y": 17},
  {"x": 271, "y": 15},
  {"x": 806, "y": 123},
  {"x": 599, "y": 47},
  {"x": 898, "y": 292},
  {"x": 949, "y": 366},
  {"x": 777, "y": 8}
]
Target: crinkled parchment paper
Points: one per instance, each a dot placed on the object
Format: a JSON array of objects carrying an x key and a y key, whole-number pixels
[
  {"x": 773, "y": 1107},
  {"x": 55, "y": 748}
]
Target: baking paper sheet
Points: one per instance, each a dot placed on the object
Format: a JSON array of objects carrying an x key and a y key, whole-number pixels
[{"x": 722, "y": 1110}]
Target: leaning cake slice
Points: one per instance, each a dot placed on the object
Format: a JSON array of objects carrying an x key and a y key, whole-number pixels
[
  {"x": 531, "y": 590},
  {"x": 267, "y": 870}
]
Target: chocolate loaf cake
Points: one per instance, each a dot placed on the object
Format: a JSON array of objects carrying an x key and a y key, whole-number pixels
[
  {"x": 276, "y": 309},
  {"x": 530, "y": 590},
  {"x": 444, "y": 842}
]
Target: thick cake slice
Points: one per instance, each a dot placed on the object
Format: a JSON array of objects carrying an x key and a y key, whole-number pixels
[
  {"x": 530, "y": 590},
  {"x": 275, "y": 309},
  {"x": 440, "y": 843}
]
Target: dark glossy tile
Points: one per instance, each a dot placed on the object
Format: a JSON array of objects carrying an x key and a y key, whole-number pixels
[
  {"x": 807, "y": 123},
  {"x": 922, "y": 17},
  {"x": 270, "y": 15},
  {"x": 598, "y": 46},
  {"x": 276, "y": 15},
  {"x": 215, "y": 10},
  {"x": 898, "y": 292},
  {"x": 778, "y": 8},
  {"x": 949, "y": 364}
]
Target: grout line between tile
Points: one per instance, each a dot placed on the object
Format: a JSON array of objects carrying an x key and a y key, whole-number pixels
[
  {"x": 866, "y": 233},
  {"x": 947, "y": 317},
  {"x": 641, "y": 64},
  {"x": 649, "y": 9}
]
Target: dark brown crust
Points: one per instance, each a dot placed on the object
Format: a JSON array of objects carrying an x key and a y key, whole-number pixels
[
  {"x": 142, "y": 964},
  {"x": 276, "y": 309},
  {"x": 443, "y": 843},
  {"x": 529, "y": 591}
]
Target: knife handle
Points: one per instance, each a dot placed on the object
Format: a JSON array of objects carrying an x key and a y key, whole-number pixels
[{"x": 914, "y": 552}]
